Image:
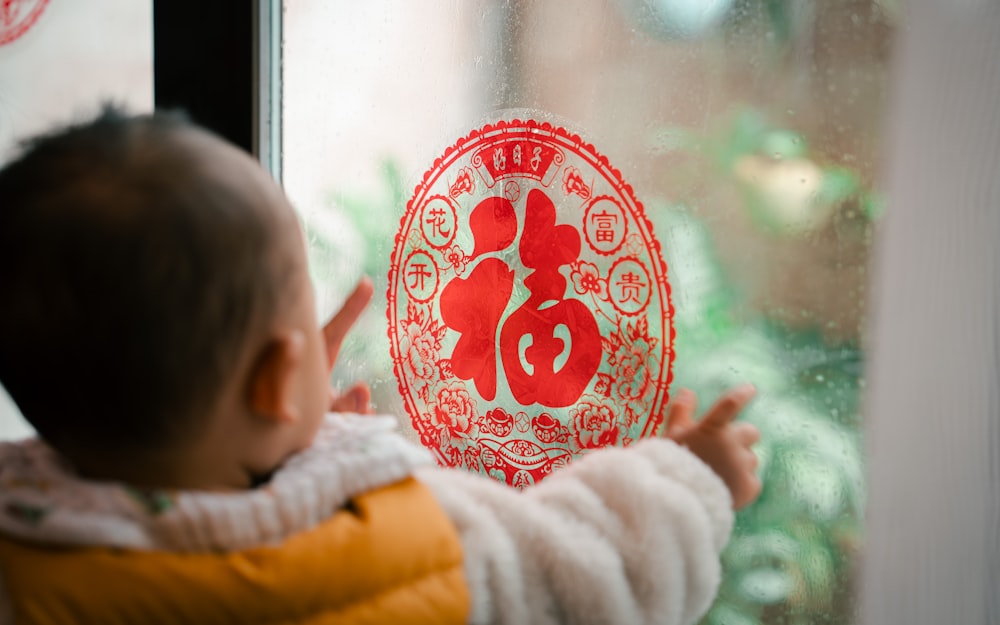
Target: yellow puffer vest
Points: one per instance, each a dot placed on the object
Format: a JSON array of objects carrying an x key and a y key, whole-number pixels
[{"x": 392, "y": 556}]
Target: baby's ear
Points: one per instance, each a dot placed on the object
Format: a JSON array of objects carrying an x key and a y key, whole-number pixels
[{"x": 272, "y": 379}]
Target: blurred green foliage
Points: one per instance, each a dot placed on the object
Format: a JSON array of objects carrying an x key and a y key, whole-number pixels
[
  {"x": 748, "y": 133},
  {"x": 792, "y": 556}
]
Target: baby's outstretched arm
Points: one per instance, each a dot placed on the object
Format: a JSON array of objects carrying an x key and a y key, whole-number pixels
[{"x": 619, "y": 536}]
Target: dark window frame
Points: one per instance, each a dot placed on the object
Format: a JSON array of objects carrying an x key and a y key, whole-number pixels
[{"x": 221, "y": 64}]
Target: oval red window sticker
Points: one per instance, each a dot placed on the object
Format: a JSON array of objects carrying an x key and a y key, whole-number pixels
[
  {"x": 17, "y": 16},
  {"x": 529, "y": 310}
]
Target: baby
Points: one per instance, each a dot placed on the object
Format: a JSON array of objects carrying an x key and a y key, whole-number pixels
[{"x": 158, "y": 329}]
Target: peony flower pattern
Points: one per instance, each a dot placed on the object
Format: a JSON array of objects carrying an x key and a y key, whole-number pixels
[
  {"x": 420, "y": 344},
  {"x": 631, "y": 372},
  {"x": 594, "y": 423},
  {"x": 633, "y": 362},
  {"x": 455, "y": 411},
  {"x": 420, "y": 353}
]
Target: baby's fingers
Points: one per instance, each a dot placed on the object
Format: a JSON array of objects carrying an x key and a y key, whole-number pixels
[
  {"x": 746, "y": 433},
  {"x": 357, "y": 399},
  {"x": 748, "y": 492},
  {"x": 750, "y": 485},
  {"x": 336, "y": 329},
  {"x": 728, "y": 406}
]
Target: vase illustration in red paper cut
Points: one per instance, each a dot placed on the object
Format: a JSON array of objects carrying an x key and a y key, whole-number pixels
[{"x": 529, "y": 308}]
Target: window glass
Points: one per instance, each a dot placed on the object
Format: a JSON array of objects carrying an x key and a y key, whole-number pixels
[
  {"x": 59, "y": 60},
  {"x": 748, "y": 132}
]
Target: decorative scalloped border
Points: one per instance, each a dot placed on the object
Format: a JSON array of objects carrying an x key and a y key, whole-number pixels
[{"x": 423, "y": 187}]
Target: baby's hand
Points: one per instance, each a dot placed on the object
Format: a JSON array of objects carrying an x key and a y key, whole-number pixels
[
  {"x": 355, "y": 399},
  {"x": 358, "y": 397},
  {"x": 720, "y": 443}
]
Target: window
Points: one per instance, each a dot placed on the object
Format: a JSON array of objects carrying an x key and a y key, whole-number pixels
[
  {"x": 749, "y": 132},
  {"x": 748, "y": 129}
]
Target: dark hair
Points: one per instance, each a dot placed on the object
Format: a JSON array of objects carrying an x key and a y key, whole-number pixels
[{"x": 130, "y": 278}]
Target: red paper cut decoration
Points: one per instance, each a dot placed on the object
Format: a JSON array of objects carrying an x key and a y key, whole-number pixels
[
  {"x": 529, "y": 308},
  {"x": 17, "y": 16}
]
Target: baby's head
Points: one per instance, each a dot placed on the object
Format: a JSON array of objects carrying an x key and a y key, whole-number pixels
[{"x": 157, "y": 324}]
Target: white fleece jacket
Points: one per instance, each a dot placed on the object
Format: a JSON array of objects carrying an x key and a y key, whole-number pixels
[{"x": 620, "y": 536}]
